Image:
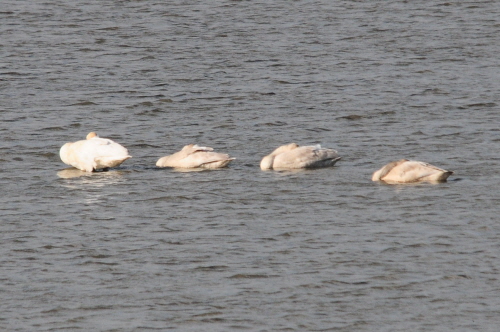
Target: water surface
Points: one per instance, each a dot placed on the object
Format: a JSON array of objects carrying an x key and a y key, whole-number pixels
[{"x": 140, "y": 248}]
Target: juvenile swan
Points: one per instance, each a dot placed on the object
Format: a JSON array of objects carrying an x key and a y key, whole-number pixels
[
  {"x": 405, "y": 170},
  {"x": 293, "y": 156},
  {"x": 194, "y": 156},
  {"x": 93, "y": 153}
]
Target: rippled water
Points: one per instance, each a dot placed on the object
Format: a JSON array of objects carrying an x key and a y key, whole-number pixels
[{"x": 140, "y": 248}]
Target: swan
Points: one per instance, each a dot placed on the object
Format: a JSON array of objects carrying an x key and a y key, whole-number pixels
[
  {"x": 293, "y": 156},
  {"x": 405, "y": 170},
  {"x": 93, "y": 153},
  {"x": 194, "y": 156}
]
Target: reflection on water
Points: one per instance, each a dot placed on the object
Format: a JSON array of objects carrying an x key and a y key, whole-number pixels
[
  {"x": 97, "y": 179},
  {"x": 406, "y": 184},
  {"x": 288, "y": 171},
  {"x": 189, "y": 170},
  {"x": 89, "y": 185},
  {"x": 72, "y": 172}
]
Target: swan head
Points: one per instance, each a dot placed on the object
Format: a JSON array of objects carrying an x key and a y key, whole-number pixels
[{"x": 91, "y": 135}]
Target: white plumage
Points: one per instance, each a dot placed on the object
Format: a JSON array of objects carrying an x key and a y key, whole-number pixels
[
  {"x": 194, "y": 156},
  {"x": 293, "y": 156},
  {"x": 93, "y": 153},
  {"x": 405, "y": 170}
]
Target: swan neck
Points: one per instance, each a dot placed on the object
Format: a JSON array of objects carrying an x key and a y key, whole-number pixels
[{"x": 267, "y": 162}]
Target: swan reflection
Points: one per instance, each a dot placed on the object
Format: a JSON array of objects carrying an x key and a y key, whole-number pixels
[{"x": 97, "y": 179}]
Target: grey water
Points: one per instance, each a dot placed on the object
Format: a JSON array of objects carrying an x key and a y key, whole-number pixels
[{"x": 140, "y": 248}]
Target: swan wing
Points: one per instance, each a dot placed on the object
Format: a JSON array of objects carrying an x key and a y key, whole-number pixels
[
  {"x": 103, "y": 153},
  {"x": 410, "y": 171},
  {"x": 193, "y": 148},
  {"x": 193, "y": 156},
  {"x": 207, "y": 159},
  {"x": 307, "y": 157},
  {"x": 417, "y": 170}
]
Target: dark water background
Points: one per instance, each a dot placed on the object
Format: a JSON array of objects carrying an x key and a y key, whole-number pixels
[{"x": 146, "y": 249}]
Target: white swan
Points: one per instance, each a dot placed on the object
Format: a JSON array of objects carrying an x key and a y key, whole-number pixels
[
  {"x": 93, "y": 153},
  {"x": 194, "y": 156},
  {"x": 405, "y": 170},
  {"x": 293, "y": 156}
]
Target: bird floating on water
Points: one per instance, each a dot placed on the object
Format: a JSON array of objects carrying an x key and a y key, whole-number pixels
[
  {"x": 293, "y": 156},
  {"x": 194, "y": 156},
  {"x": 404, "y": 171},
  {"x": 93, "y": 153}
]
